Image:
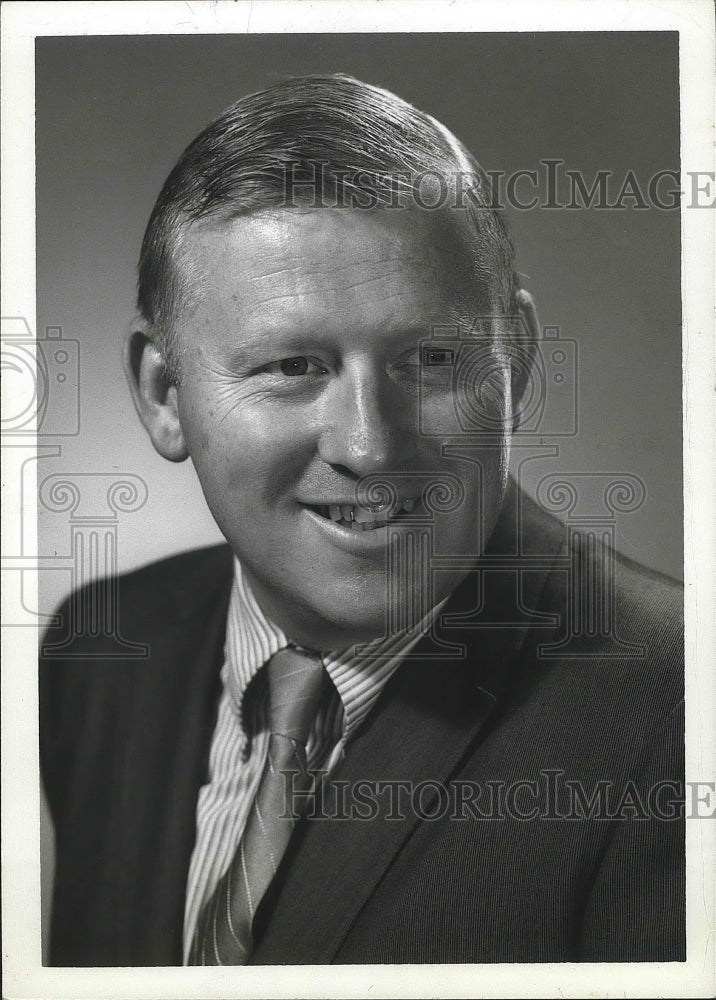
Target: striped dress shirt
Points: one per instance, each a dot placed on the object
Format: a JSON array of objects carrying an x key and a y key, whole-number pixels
[{"x": 239, "y": 743}]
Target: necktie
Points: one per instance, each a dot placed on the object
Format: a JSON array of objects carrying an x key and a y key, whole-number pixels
[{"x": 223, "y": 935}]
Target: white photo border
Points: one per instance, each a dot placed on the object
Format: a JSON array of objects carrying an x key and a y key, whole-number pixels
[{"x": 24, "y": 976}]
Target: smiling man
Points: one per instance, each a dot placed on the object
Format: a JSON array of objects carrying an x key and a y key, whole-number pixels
[
  {"x": 298, "y": 375},
  {"x": 359, "y": 735}
]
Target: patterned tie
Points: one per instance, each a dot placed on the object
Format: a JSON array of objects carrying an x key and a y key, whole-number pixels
[{"x": 224, "y": 935}]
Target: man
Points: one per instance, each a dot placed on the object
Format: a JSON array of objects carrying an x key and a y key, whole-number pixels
[{"x": 364, "y": 731}]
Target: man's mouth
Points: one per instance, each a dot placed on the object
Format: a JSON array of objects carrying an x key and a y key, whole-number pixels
[{"x": 358, "y": 518}]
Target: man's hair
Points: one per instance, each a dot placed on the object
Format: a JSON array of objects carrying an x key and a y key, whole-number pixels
[{"x": 319, "y": 140}]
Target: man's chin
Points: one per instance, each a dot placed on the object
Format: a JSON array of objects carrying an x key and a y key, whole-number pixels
[{"x": 333, "y": 628}]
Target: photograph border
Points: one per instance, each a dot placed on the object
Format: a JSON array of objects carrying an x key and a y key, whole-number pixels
[{"x": 24, "y": 976}]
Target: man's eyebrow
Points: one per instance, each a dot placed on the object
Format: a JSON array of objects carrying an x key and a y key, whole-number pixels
[
  {"x": 261, "y": 335},
  {"x": 264, "y": 341}
]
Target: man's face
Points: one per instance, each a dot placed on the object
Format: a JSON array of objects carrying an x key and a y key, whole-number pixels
[{"x": 301, "y": 373}]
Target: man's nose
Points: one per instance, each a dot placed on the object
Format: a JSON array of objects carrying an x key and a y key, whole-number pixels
[{"x": 369, "y": 425}]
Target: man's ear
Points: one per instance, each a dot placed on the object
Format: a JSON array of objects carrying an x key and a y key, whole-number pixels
[
  {"x": 524, "y": 358},
  {"x": 154, "y": 393}
]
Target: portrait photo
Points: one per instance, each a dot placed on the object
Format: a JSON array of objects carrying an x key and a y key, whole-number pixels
[{"x": 359, "y": 417}]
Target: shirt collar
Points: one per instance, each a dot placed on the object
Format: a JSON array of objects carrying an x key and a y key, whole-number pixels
[{"x": 358, "y": 672}]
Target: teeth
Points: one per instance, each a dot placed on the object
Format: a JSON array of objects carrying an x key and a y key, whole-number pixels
[
  {"x": 367, "y": 518},
  {"x": 364, "y": 516}
]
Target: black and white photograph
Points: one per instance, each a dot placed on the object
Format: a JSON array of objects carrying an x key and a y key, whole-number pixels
[{"x": 358, "y": 581}]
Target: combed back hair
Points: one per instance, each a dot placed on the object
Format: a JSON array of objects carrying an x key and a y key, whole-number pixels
[{"x": 319, "y": 140}]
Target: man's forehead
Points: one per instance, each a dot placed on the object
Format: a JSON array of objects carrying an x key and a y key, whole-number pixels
[
  {"x": 332, "y": 252},
  {"x": 410, "y": 233}
]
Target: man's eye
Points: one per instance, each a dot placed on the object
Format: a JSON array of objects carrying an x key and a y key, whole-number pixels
[
  {"x": 295, "y": 366},
  {"x": 437, "y": 356}
]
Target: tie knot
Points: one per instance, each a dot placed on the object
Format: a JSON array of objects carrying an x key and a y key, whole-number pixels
[{"x": 295, "y": 686}]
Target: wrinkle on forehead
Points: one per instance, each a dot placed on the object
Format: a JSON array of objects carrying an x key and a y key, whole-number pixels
[{"x": 330, "y": 267}]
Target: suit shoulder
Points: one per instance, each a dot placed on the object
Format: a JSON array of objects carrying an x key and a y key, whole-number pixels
[
  {"x": 649, "y": 609},
  {"x": 116, "y": 638},
  {"x": 194, "y": 562},
  {"x": 620, "y": 642},
  {"x": 178, "y": 582},
  {"x": 140, "y": 605},
  {"x": 647, "y": 598},
  {"x": 649, "y": 589},
  {"x": 183, "y": 576}
]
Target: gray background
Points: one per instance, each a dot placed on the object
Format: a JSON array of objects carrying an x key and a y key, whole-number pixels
[{"x": 114, "y": 113}]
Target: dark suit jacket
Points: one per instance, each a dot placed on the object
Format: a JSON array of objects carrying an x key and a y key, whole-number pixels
[{"x": 561, "y": 737}]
